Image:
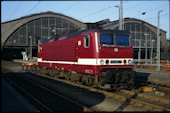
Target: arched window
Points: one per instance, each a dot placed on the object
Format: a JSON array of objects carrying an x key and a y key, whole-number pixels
[{"x": 40, "y": 29}]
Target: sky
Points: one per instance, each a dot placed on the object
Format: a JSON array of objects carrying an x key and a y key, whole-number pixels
[{"x": 92, "y": 11}]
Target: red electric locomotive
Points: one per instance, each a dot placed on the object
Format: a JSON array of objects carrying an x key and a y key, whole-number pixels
[{"x": 92, "y": 56}]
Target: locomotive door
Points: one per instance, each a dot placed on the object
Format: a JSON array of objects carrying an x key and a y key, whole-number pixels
[{"x": 77, "y": 55}]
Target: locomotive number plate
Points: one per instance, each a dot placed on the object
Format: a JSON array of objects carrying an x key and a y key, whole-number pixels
[{"x": 89, "y": 71}]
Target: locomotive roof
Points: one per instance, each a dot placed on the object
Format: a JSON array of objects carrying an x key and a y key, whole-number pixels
[
  {"x": 86, "y": 31},
  {"x": 91, "y": 30}
]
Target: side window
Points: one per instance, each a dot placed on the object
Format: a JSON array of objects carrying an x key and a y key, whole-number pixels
[{"x": 86, "y": 41}]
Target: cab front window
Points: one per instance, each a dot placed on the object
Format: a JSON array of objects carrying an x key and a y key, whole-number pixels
[
  {"x": 106, "y": 40},
  {"x": 122, "y": 40}
]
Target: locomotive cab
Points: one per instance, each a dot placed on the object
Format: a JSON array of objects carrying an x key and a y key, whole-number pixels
[
  {"x": 115, "y": 49},
  {"x": 115, "y": 58}
]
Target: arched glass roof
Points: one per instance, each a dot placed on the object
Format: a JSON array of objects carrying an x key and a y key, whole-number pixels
[{"x": 39, "y": 29}]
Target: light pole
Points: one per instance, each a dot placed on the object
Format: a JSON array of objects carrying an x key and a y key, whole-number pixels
[
  {"x": 151, "y": 50},
  {"x": 120, "y": 15},
  {"x": 139, "y": 53},
  {"x": 146, "y": 49},
  {"x": 30, "y": 46},
  {"x": 158, "y": 44}
]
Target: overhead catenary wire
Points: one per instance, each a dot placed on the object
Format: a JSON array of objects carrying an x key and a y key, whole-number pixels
[
  {"x": 104, "y": 9},
  {"x": 15, "y": 10},
  {"x": 98, "y": 11},
  {"x": 146, "y": 12},
  {"x": 92, "y": 14},
  {"x": 138, "y": 11},
  {"x": 111, "y": 7},
  {"x": 33, "y": 8},
  {"x": 167, "y": 15},
  {"x": 70, "y": 6},
  {"x": 156, "y": 8},
  {"x": 157, "y": 16},
  {"x": 19, "y": 21}
]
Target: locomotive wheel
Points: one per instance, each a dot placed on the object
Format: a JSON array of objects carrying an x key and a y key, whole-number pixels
[
  {"x": 72, "y": 77},
  {"x": 57, "y": 73},
  {"x": 83, "y": 80},
  {"x": 87, "y": 79},
  {"x": 44, "y": 71},
  {"x": 90, "y": 81},
  {"x": 41, "y": 70},
  {"x": 129, "y": 81},
  {"x": 96, "y": 80},
  {"x": 77, "y": 77},
  {"x": 67, "y": 76},
  {"x": 36, "y": 68},
  {"x": 31, "y": 68},
  {"x": 62, "y": 74},
  {"x": 51, "y": 72},
  {"x": 26, "y": 68}
]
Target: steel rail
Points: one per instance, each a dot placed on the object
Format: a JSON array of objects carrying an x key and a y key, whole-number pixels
[
  {"x": 21, "y": 89},
  {"x": 161, "y": 86},
  {"x": 144, "y": 96},
  {"x": 57, "y": 94},
  {"x": 105, "y": 92},
  {"x": 151, "y": 82}
]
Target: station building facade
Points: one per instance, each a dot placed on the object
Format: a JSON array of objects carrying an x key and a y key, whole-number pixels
[
  {"x": 144, "y": 36},
  {"x": 15, "y": 34}
]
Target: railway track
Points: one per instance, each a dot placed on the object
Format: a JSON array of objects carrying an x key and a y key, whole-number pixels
[
  {"x": 136, "y": 98},
  {"x": 157, "y": 87},
  {"x": 150, "y": 99},
  {"x": 151, "y": 83},
  {"x": 45, "y": 99},
  {"x": 149, "y": 102}
]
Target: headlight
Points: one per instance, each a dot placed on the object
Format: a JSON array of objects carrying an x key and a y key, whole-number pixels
[
  {"x": 101, "y": 62},
  {"x": 130, "y": 61}
]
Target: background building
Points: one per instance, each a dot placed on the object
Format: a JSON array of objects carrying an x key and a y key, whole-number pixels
[
  {"x": 15, "y": 34},
  {"x": 144, "y": 36}
]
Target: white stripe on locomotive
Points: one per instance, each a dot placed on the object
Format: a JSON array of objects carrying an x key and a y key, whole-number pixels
[{"x": 93, "y": 61}]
